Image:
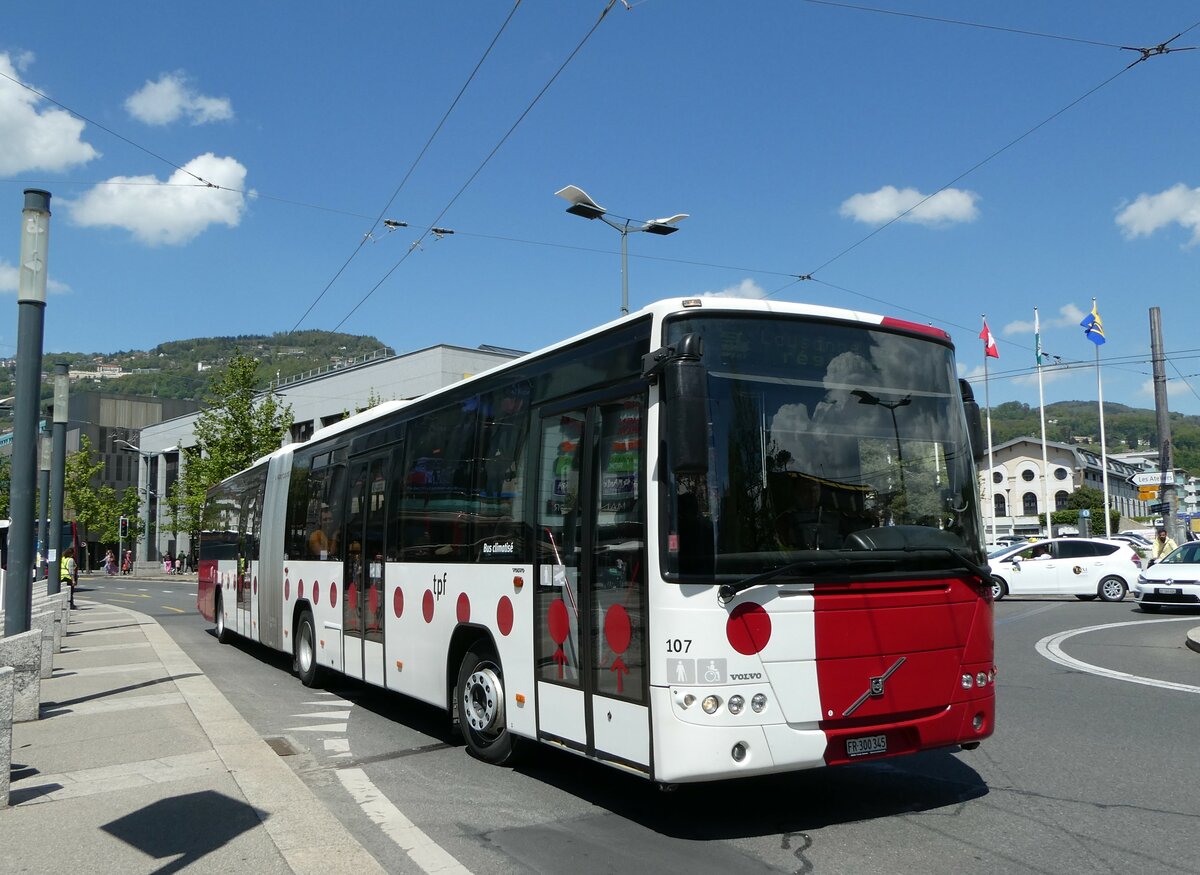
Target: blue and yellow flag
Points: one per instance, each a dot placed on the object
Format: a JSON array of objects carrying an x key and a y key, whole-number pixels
[{"x": 1093, "y": 328}]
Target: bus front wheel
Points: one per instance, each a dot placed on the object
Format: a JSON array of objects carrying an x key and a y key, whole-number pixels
[{"x": 480, "y": 692}]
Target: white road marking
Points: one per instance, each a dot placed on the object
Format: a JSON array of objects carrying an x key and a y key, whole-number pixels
[
  {"x": 327, "y": 715},
  {"x": 325, "y": 727},
  {"x": 421, "y": 849},
  {"x": 1051, "y": 648}
]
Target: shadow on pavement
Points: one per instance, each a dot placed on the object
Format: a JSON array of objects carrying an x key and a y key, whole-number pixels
[{"x": 188, "y": 827}]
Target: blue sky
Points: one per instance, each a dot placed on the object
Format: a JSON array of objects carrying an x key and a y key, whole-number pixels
[{"x": 791, "y": 132}]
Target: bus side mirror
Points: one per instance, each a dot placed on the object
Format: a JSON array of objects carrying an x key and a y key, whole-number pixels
[
  {"x": 685, "y": 396},
  {"x": 974, "y": 421}
]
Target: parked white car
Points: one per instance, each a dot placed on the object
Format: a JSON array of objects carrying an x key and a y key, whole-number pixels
[
  {"x": 1172, "y": 581},
  {"x": 1082, "y": 567}
]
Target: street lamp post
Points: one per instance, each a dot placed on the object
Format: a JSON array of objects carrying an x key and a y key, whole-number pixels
[
  {"x": 865, "y": 397},
  {"x": 144, "y": 546},
  {"x": 582, "y": 205}
]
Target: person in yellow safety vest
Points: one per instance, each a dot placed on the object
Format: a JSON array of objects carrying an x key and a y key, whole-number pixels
[{"x": 67, "y": 571}]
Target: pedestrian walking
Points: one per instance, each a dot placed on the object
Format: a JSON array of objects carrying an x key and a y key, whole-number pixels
[
  {"x": 110, "y": 564},
  {"x": 179, "y": 564},
  {"x": 68, "y": 571},
  {"x": 127, "y": 563}
]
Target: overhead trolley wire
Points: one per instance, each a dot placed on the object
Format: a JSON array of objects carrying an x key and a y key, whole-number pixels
[
  {"x": 483, "y": 164},
  {"x": 375, "y": 224}
]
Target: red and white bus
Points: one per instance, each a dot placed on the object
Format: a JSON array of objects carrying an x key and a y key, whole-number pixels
[{"x": 714, "y": 538}]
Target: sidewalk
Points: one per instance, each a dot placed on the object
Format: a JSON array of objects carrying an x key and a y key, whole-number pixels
[{"x": 139, "y": 764}]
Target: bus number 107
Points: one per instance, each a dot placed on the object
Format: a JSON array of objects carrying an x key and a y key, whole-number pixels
[{"x": 679, "y": 645}]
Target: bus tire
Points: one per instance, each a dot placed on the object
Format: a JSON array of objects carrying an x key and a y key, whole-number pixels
[
  {"x": 305, "y": 656},
  {"x": 223, "y": 633},
  {"x": 480, "y": 694}
]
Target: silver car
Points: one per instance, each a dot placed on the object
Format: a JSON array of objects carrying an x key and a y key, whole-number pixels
[{"x": 1173, "y": 581}]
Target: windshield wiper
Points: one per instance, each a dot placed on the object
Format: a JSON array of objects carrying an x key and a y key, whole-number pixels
[{"x": 859, "y": 562}]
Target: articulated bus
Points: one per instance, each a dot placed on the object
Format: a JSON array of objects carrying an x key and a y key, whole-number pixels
[{"x": 714, "y": 538}]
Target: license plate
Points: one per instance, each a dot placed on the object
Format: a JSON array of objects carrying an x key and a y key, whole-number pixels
[
  {"x": 1166, "y": 590},
  {"x": 861, "y": 747}
]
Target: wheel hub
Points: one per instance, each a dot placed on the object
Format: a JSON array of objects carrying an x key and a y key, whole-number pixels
[
  {"x": 483, "y": 701},
  {"x": 306, "y": 652}
]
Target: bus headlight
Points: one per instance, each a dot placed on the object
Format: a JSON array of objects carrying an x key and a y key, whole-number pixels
[
  {"x": 758, "y": 702},
  {"x": 736, "y": 704},
  {"x": 711, "y": 704},
  {"x": 967, "y": 681}
]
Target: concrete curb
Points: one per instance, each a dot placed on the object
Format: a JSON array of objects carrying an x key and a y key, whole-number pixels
[
  {"x": 286, "y": 803},
  {"x": 6, "y": 701},
  {"x": 1193, "y": 639}
]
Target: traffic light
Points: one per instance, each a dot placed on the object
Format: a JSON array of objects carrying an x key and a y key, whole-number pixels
[{"x": 124, "y": 527}]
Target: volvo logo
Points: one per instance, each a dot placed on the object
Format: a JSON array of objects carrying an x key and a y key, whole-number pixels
[{"x": 875, "y": 688}]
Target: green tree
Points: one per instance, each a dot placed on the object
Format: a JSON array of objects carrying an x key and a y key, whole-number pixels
[
  {"x": 238, "y": 425},
  {"x": 96, "y": 510},
  {"x": 1093, "y": 500}
]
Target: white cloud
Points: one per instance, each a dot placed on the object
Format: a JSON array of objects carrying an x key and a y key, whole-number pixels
[
  {"x": 745, "y": 289},
  {"x": 32, "y": 138},
  {"x": 1068, "y": 316},
  {"x": 172, "y": 98},
  {"x": 9, "y": 280},
  {"x": 1175, "y": 389},
  {"x": 171, "y": 212},
  {"x": 1150, "y": 212},
  {"x": 944, "y": 208}
]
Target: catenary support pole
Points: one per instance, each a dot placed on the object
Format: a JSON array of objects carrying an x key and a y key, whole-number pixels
[
  {"x": 31, "y": 316},
  {"x": 43, "y": 503},
  {"x": 58, "y": 469}
]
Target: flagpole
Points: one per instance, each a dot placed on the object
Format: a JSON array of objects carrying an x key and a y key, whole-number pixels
[
  {"x": 1037, "y": 332},
  {"x": 987, "y": 403},
  {"x": 1103, "y": 442}
]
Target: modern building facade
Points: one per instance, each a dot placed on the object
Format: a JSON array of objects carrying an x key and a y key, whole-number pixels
[{"x": 316, "y": 401}]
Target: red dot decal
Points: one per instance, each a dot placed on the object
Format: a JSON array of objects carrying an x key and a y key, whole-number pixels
[
  {"x": 256, "y": 586},
  {"x": 463, "y": 608},
  {"x": 398, "y": 602},
  {"x": 287, "y": 588},
  {"x": 300, "y": 589},
  {"x": 333, "y": 595},
  {"x": 560, "y": 623},
  {"x": 617, "y": 628},
  {"x": 316, "y": 593},
  {"x": 748, "y": 629},
  {"x": 504, "y": 616},
  {"x": 427, "y": 606}
]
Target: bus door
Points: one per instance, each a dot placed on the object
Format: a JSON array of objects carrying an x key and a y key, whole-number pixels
[
  {"x": 591, "y": 579},
  {"x": 245, "y": 569},
  {"x": 362, "y": 600}
]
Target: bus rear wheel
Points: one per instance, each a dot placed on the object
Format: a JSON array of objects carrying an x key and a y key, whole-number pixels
[
  {"x": 480, "y": 692},
  {"x": 223, "y": 633},
  {"x": 305, "y": 655}
]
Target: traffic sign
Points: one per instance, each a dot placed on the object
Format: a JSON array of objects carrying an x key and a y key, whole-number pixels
[
  {"x": 1147, "y": 493},
  {"x": 1147, "y": 478},
  {"x": 1161, "y": 507}
]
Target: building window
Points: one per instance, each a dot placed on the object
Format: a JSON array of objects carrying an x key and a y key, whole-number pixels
[
  {"x": 1030, "y": 502},
  {"x": 1060, "y": 500},
  {"x": 997, "y": 477},
  {"x": 1027, "y": 475},
  {"x": 1000, "y": 505},
  {"x": 1060, "y": 473}
]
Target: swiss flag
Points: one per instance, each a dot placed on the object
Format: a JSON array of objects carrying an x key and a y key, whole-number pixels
[{"x": 989, "y": 342}]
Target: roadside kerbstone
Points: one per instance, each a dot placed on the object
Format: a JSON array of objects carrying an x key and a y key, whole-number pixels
[{"x": 23, "y": 654}]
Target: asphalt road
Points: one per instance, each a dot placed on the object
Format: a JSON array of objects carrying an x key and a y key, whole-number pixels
[{"x": 1093, "y": 767}]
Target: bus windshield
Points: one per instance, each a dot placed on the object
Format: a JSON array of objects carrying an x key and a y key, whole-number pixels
[{"x": 822, "y": 433}]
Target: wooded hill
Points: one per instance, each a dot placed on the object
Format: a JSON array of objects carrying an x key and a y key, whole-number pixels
[
  {"x": 172, "y": 370},
  {"x": 1078, "y": 422}
]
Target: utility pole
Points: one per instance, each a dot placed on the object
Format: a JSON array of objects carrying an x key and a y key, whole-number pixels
[
  {"x": 1166, "y": 457},
  {"x": 43, "y": 504},
  {"x": 31, "y": 321}
]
